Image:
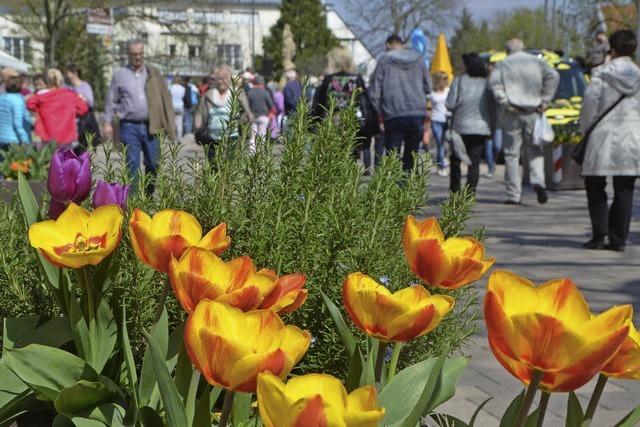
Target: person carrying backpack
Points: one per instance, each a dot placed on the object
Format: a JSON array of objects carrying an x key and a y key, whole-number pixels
[{"x": 340, "y": 85}]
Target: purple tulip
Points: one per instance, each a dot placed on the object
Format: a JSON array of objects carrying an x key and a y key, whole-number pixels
[
  {"x": 107, "y": 193},
  {"x": 69, "y": 179}
]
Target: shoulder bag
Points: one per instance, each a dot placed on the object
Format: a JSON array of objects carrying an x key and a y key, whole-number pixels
[
  {"x": 580, "y": 150},
  {"x": 202, "y": 133}
]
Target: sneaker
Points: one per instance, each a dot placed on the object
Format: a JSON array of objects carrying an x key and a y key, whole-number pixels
[
  {"x": 512, "y": 202},
  {"x": 443, "y": 172},
  {"x": 489, "y": 175},
  {"x": 542, "y": 194},
  {"x": 595, "y": 243}
]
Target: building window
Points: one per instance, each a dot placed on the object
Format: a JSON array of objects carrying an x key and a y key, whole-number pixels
[
  {"x": 171, "y": 51},
  {"x": 230, "y": 55},
  {"x": 18, "y": 47},
  {"x": 194, "y": 51}
]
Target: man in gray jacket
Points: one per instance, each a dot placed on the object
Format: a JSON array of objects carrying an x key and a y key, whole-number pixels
[
  {"x": 523, "y": 86},
  {"x": 399, "y": 87}
]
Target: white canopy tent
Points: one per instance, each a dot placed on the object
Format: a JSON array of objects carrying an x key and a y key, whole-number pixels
[{"x": 7, "y": 60}]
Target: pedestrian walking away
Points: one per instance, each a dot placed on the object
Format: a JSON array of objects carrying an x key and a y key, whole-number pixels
[
  {"x": 399, "y": 87},
  {"x": 341, "y": 85},
  {"x": 439, "y": 115},
  {"x": 57, "y": 108},
  {"x": 472, "y": 111},
  {"x": 613, "y": 146},
  {"x": 178, "y": 92},
  {"x": 263, "y": 109},
  {"x": 138, "y": 96},
  {"x": 523, "y": 86},
  {"x": 15, "y": 120}
]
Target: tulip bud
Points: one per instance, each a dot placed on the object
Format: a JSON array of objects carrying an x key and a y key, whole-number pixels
[
  {"x": 107, "y": 193},
  {"x": 69, "y": 179}
]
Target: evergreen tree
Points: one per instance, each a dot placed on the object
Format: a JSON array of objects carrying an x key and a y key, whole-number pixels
[
  {"x": 312, "y": 37},
  {"x": 469, "y": 37}
]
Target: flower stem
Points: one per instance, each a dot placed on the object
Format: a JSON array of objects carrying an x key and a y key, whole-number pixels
[
  {"x": 595, "y": 399},
  {"x": 527, "y": 400},
  {"x": 380, "y": 360},
  {"x": 544, "y": 402},
  {"x": 163, "y": 299},
  {"x": 87, "y": 287},
  {"x": 227, "y": 405},
  {"x": 394, "y": 361}
]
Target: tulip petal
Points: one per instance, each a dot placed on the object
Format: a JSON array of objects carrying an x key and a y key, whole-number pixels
[
  {"x": 287, "y": 294},
  {"x": 430, "y": 262},
  {"x": 178, "y": 223},
  {"x": 216, "y": 240},
  {"x": 362, "y": 408}
]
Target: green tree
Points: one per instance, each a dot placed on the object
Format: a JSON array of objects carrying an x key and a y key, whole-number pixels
[
  {"x": 312, "y": 37},
  {"x": 469, "y": 37}
]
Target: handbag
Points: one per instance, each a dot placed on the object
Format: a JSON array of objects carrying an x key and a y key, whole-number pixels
[
  {"x": 88, "y": 128},
  {"x": 201, "y": 134},
  {"x": 580, "y": 149}
]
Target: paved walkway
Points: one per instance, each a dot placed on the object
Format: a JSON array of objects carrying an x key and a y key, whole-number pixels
[{"x": 542, "y": 242}]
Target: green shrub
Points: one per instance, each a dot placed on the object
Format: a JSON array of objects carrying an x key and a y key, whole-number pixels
[{"x": 299, "y": 206}]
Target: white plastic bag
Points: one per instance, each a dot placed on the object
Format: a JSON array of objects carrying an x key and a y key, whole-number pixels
[{"x": 543, "y": 133}]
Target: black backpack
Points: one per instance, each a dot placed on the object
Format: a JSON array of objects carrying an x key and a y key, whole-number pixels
[{"x": 186, "y": 99}]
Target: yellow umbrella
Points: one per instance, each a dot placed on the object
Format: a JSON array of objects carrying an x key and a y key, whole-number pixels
[{"x": 441, "y": 60}]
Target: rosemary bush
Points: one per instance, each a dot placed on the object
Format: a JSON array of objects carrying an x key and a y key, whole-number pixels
[{"x": 299, "y": 205}]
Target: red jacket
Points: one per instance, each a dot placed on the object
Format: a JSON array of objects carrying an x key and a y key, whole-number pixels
[{"x": 57, "y": 111}]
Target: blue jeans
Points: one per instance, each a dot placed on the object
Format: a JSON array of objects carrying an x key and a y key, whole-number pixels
[
  {"x": 438, "y": 129},
  {"x": 378, "y": 146},
  {"x": 492, "y": 147},
  {"x": 136, "y": 139},
  {"x": 188, "y": 121},
  {"x": 404, "y": 129}
]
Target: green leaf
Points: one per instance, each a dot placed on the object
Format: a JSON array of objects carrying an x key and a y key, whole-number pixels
[
  {"x": 509, "y": 416},
  {"x": 368, "y": 376},
  {"x": 79, "y": 329},
  {"x": 472, "y": 421},
  {"x": 15, "y": 395},
  {"x": 151, "y": 418},
  {"x": 632, "y": 419},
  {"x": 425, "y": 404},
  {"x": 81, "y": 396},
  {"x": 411, "y": 381},
  {"x": 48, "y": 370},
  {"x": 345, "y": 333},
  {"x": 443, "y": 420},
  {"x": 160, "y": 333},
  {"x": 574, "y": 411},
  {"x": 241, "y": 409},
  {"x": 130, "y": 365},
  {"x": 183, "y": 374},
  {"x": 171, "y": 400},
  {"x": 532, "y": 418},
  {"x": 105, "y": 272},
  {"x": 190, "y": 400},
  {"x": 202, "y": 416},
  {"x": 16, "y": 328},
  {"x": 29, "y": 204},
  {"x": 355, "y": 370},
  {"x": 103, "y": 333},
  {"x": 111, "y": 414}
]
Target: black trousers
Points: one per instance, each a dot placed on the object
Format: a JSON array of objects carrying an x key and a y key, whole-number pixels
[
  {"x": 475, "y": 146},
  {"x": 614, "y": 221}
]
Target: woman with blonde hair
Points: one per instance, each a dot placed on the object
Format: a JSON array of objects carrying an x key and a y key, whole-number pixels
[
  {"x": 57, "y": 109},
  {"x": 439, "y": 117},
  {"x": 340, "y": 83}
]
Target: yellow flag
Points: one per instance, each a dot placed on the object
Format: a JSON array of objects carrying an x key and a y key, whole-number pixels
[{"x": 441, "y": 60}]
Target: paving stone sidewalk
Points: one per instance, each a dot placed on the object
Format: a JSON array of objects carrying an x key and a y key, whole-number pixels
[{"x": 543, "y": 242}]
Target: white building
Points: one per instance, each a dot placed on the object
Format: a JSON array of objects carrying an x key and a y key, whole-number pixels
[{"x": 189, "y": 37}]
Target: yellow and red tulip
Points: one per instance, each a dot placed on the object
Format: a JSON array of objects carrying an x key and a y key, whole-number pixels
[
  {"x": 626, "y": 363},
  {"x": 230, "y": 347},
  {"x": 78, "y": 237},
  {"x": 551, "y": 330},
  {"x": 402, "y": 316},
  {"x": 444, "y": 263},
  {"x": 316, "y": 400},
  {"x": 200, "y": 274},
  {"x": 169, "y": 233}
]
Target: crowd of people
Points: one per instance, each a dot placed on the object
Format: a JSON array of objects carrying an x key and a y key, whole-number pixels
[{"x": 487, "y": 109}]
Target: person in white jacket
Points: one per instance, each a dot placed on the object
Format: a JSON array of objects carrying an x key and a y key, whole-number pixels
[
  {"x": 613, "y": 146},
  {"x": 523, "y": 86}
]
